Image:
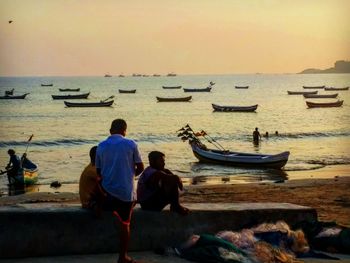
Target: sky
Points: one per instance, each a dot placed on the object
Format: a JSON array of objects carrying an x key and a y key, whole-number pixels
[{"x": 95, "y": 37}]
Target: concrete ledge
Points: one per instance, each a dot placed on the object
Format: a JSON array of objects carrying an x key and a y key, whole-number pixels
[{"x": 57, "y": 229}]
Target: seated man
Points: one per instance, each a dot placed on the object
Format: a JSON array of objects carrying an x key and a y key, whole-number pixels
[
  {"x": 158, "y": 187},
  {"x": 89, "y": 190}
]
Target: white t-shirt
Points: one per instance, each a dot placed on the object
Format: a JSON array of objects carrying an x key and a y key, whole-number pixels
[{"x": 116, "y": 158}]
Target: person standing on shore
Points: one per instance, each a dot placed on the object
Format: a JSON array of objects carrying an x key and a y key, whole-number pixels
[
  {"x": 118, "y": 161},
  {"x": 256, "y": 136},
  {"x": 158, "y": 187}
]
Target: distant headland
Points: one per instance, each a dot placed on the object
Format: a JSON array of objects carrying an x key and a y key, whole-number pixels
[{"x": 341, "y": 66}]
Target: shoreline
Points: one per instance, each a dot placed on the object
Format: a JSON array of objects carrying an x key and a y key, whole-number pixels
[{"x": 328, "y": 193}]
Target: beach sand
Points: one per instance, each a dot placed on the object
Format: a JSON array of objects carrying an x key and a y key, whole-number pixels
[{"x": 329, "y": 196}]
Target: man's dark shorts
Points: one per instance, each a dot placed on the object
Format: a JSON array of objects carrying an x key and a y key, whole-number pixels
[{"x": 120, "y": 208}]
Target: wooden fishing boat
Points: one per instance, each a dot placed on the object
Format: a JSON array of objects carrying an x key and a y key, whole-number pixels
[
  {"x": 172, "y": 87},
  {"x": 338, "y": 103},
  {"x": 73, "y": 90},
  {"x": 225, "y": 157},
  {"x": 27, "y": 175},
  {"x": 89, "y": 104},
  {"x": 313, "y": 87},
  {"x": 241, "y": 87},
  {"x": 320, "y": 96},
  {"x": 11, "y": 97},
  {"x": 174, "y": 99},
  {"x": 207, "y": 89},
  {"x": 70, "y": 97},
  {"x": 332, "y": 88},
  {"x": 234, "y": 108},
  {"x": 301, "y": 92},
  {"x": 9, "y": 92},
  {"x": 171, "y": 75},
  {"x": 46, "y": 85},
  {"x": 127, "y": 91}
]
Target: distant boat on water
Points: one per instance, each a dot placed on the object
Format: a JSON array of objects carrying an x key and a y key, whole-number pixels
[
  {"x": 320, "y": 96},
  {"x": 107, "y": 76},
  {"x": 121, "y": 76},
  {"x": 89, "y": 104},
  {"x": 235, "y": 108},
  {"x": 171, "y": 75},
  {"x": 73, "y": 90},
  {"x": 127, "y": 91},
  {"x": 136, "y": 75},
  {"x": 313, "y": 87},
  {"x": 69, "y": 96},
  {"x": 174, "y": 99},
  {"x": 338, "y": 103},
  {"x": 207, "y": 89},
  {"x": 46, "y": 85},
  {"x": 11, "y": 97},
  {"x": 241, "y": 87},
  {"x": 301, "y": 92},
  {"x": 332, "y": 88},
  {"x": 156, "y": 75}
]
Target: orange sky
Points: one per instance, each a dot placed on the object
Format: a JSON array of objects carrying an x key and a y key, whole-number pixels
[{"x": 82, "y": 37}]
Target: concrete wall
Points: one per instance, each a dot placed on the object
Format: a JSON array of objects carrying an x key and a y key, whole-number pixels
[{"x": 56, "y": 229}]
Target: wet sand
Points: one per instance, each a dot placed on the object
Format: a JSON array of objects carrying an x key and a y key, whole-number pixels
[{"x": 329, "y": 196}]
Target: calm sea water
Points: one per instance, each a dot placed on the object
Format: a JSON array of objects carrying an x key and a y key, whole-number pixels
[{"x": 63, "y": 136}]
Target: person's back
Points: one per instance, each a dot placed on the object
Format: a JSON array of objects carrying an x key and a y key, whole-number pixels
[
  {"x": 13, "y": 167},
  {"x": 88, "y": 185},
  {"x": 256, "y": 136}
]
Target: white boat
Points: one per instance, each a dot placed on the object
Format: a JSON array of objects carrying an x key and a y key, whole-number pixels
[{"x": 225, "y": 157}]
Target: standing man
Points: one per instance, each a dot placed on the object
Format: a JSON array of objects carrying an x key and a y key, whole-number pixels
[
  {"x": 118, "y": 161},
  {"x": 13, "y": 167},
  {"x": 256, "y": 136}
]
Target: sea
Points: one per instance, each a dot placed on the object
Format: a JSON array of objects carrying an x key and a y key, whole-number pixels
[{"x": 62, "y": 138}]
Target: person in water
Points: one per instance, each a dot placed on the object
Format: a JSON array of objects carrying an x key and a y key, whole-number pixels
[
  {"x": 266, "y": 135},
  {"x": 13, "y": 166},
  {"x": 89, "y": 191},
  {"x": 158, "y": 187},
  {"x": 118, "y": 161},
  {"x": 256, "y": 136}
]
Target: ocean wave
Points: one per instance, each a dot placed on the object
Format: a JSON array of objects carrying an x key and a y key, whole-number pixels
[{"x": 58, "y": 142}]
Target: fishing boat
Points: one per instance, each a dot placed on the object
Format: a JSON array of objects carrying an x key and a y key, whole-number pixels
[
  {"x": 338, "y": 103},
  {"x": 46, "y": 85},
  {"x": 235, "y": 108},
  {"x": 332, "y": 88},
  {"x": 313, "y": 87},
  {"x": 301, "y": 92},
  {"x": 320, "y": 96},
  {"x": 171, "y": 75},
  {"x": 9, "y": 92},
  {"x": 11, "y": 97},
  {"x": 89, "y": 104},
  {"x": 73, "y": 90},
  {"x": 241, "y": 87},
  {"x": 172, "y": 87},
  {"x": 107, "y": 76},
  {"x": 27, "y": 174},
  {"x": 226, "y": 157},
  {"x": 207, "y": 89},
  {"x": 174, "y": 99},
  {"x": 70, "y": 97},
  {"x": 127, "y": 91}
]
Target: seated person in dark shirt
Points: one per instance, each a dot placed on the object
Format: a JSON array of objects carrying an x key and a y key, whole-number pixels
[{"x": 158, "y": 187}]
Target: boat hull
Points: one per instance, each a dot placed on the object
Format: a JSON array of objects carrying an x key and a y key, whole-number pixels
[
  {"x": 313, "y": 87},
  {"x": 11, "y": 97},
  {"x": 241, "y": 87},
  {"x": 183, "y": 99},
  {"x": 277, "y": 161},
  {"x": 89, "y": 104},
  {"x": 323, "y": 96},
  {"x": 70, "y": 97},
  {"x": 127, "y": 91},
  {"x": 330, "y": 88},
  {"x": 198, "y": 90},
  {"x": 234, "y": 108},
  {"x": 172, "y": 87},
  {"x": 338, "y": 103},
  {"x": 72, "y": 90},
  {"x": 301, "y": 92}
]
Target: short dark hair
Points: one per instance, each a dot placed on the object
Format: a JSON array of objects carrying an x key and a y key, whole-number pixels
[
  {"x": 11, "y": 151},
  {"x": 118, "y": 125},
  {"x": 154, "y": 155},
  {"x": 93, "y": 154}
]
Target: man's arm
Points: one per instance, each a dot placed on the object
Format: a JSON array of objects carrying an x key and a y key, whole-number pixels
[{"x": 139, "y": 167}]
